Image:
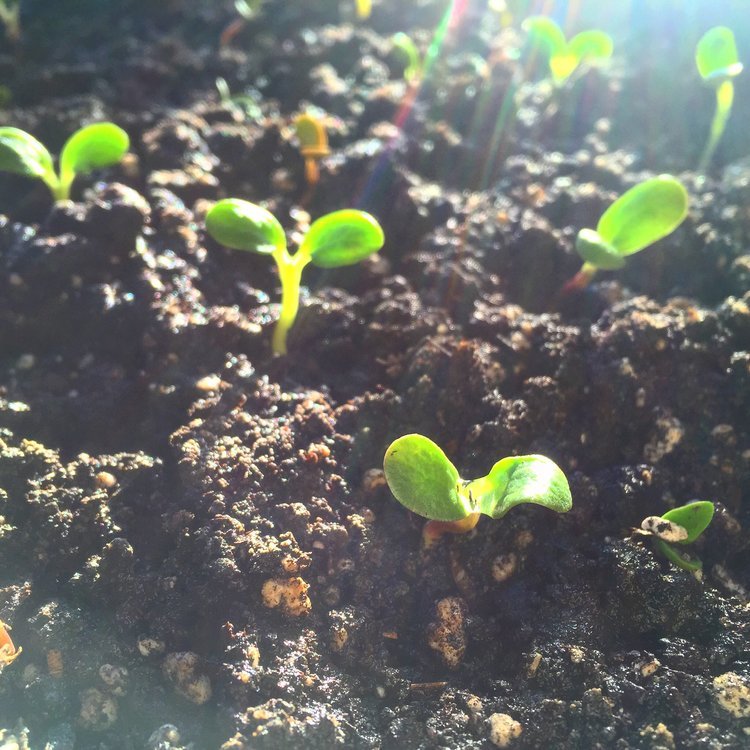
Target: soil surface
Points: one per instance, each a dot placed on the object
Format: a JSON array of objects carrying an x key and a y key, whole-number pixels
[{"x": 197, "y": 545}]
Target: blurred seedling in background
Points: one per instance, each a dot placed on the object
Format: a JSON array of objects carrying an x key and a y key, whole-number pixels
[
  {"x": 422, "y": 479},
  {"x": 341, "y": 238},
  {"x": 8, "y": 652},
  {"x": 92, "y": 147},
  {"x": 10, "y": 15},
  {"x": 638, "y": 218},
  {"x": 364, "y": 9},
  {"x": 718, "y": 63},
  {"x": 591, "y": 47},
  {"x": 681, "y": 525},
  {"x": 313, "y": 145},
  {"x": 247, "y": 10},
  {"x": 247, "y": 103},
  {"x": 407, "y": 50}
]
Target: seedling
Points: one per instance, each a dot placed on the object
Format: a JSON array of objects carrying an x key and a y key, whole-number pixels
[
  {"x": 92, "y": 147},
  {"x": 718, "y": 63},
  {"x": 364, "y": 9},
  {"x": 681, "y": 525},
  {"x": 247, "y": 11},
  {"x": 565, "y": 57},
  {"x": 8, "y": 652},
  {"x": 638, "y": 218},
  {"x": 10, "y": 15},
  {"x": 341, "y": 238},
  {"x": 423, "y": 479},
  {"x": 245, "y": 102},
  {"x": 313, "y": 145},
  {"x": 407, "y": 49}
]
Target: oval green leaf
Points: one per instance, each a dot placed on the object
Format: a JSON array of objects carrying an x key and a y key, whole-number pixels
[
  {"x": 716, "y": 55},
  {"x": 591, "y": 46},
  {"x": 311, "y": 132},
  {"x": 342, "y": 238},
  {"x": 242, "y": 225},
  {"x": 693, "y": 517},
  {"x": 593, "y": 249},
  {"x": 521, "y": 479},
  {"x": 93, "y": 147},
  {"x": 644, "y": 214},
  {"x": 21, "y": 153},
  {"x": 545, "y": 31},
  {"x": 423, "y": 480}
]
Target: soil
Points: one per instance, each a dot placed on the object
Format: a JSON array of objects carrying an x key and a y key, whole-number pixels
[{"x": 197, "y": 545}]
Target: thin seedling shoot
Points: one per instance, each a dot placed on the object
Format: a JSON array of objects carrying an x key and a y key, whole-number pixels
[
  {"x": 407, "y": 50},
  {"x": 566, "y": 57},
  {"x": 10, "y": 16},
  {"x": 718, "y": 63},
  {"x": 682, "y": 526},
  {"x": 423, "y": 479},
  {"x": 313, "y": 145},
  {"x": 641, "y": 216},
  {"x": 92, "y": 147},
  {"x": 364, "y": 9},
  {"x": 341, "y": 238}
]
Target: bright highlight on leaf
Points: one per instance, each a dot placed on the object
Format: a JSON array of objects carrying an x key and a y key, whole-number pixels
[
  {"x": 718, "y": 63},
  {"x": 341, "y": 238},
  {"x": 643, "y": 215},
  {"x": 565, "y": 57},
  {"x": 424, "y": 480},
  {"x": 92, "y": 147}
]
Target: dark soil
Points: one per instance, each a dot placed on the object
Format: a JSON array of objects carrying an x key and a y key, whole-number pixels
[{"x": 195, "y": 533}]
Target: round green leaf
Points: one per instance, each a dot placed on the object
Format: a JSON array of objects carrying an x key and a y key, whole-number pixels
[
  {"x": 521, "y": 479},
  {"x": 93, "y": 147},
  {"x": 545, "y": 31},
  {"x": 716, "y": 55},
  {"x": 644, "y": 214},
  {"x": 694, "y": 517},
  {"x": 591, "y": 46},
  {"x": 342, "y": 238},
  {"x": 593, "y": 249},
  {"x": 423, "y": 480},
  {"x": 21, "y": 153},
  {"x": 242, "y": 225}
]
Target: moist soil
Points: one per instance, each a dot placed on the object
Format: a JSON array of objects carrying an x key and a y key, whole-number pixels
[{"x": 197, "y": 545}]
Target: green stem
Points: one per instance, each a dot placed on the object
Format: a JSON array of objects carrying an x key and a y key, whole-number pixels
[
  {"x": 290, "y": 274},
  {"x": 724, "y": 99},
  {"x": 674, "y": 556}
]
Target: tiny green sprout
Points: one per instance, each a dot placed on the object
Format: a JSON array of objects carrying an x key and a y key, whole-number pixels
[
  {"x": 92, "y": 147},
  {"x": 644, "y": 214},
  {"x": 681, "y": 525},
  {"x": 341, "y": 238},
  {"x": 423, "y": 479},
  {"x": 718, "y": 63},
  {"x": 10, "y": 15},
  {"x": 245, "y": 102},
  {"x": 565, "y": 57},
  {"x": 247, "y": 11},
  {"x": 407, "y": 49}
]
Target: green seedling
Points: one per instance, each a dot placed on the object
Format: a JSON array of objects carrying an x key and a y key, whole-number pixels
[
  {"x": 718, "y": 63},
  {"x": 406, "y": 48},
  {"x": 245, "y": 102},
  {"x": 92, "y": 147},
  {"x": 10, "y": 15},
  {"x": 565, "y": 57},
  {"x": 247, "y": 11},
  {"x": 313, "y": 145},
  {"x": 638, "y": 218},
  {"x": 341, "y": 238},
  {"x": 423, "y": 479},
  {"x": 681, "y": 525}
]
